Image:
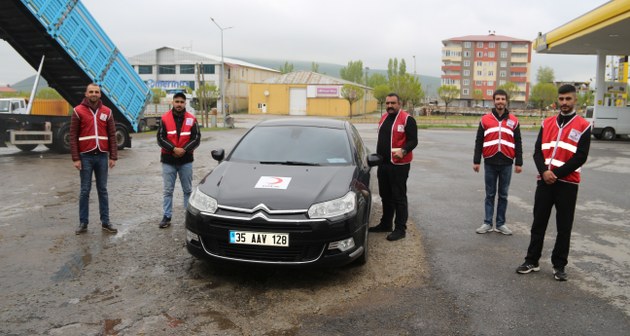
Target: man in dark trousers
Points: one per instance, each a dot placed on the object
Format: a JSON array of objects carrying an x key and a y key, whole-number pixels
[
  {"x": 561, "y": 149},
  {"x": 93, "y": 148},
  {"x": 397, "y": 137},
  {"x": 499, "y": 142},
  {"x": 178, "y": 136}
]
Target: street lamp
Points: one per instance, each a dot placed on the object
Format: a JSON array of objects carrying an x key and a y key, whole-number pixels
[{"x": 222, "y": 79}]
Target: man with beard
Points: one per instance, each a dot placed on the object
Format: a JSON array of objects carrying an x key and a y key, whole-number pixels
[
  {"x": 499, "y": 140},
  {"x": 397, "y": 137},
  {"x": 561, "y": 149},
  {"x": 93, "y": 149},
  {"x": 178, "y": 136}
]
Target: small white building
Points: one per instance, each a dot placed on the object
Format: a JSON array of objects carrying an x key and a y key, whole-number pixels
[{"x": 170, "y": 68}]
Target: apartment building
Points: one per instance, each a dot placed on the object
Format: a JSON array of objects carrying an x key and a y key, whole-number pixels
[{"x": 478, "y": 64}]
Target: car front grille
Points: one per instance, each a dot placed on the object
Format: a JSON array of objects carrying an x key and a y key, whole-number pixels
[{"x": 291, "y": 254}]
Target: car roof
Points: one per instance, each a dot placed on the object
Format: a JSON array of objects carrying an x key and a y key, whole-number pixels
[{"x": 309, "y": 122}]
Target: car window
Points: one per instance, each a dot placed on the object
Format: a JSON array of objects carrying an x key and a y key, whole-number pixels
[{"x": 294, "y": 144}]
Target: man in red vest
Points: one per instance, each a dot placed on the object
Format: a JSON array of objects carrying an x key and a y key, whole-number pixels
[
  {"x": 561, "y": 149},
  {"x": 178, "y": 136},
  {"x": 397, "y": 137},
  {"x": 93, "y": 148},
  {"x": 499, "y": 141}
]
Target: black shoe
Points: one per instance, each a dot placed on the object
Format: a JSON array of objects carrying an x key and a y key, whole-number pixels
[
  {"x": 559, "y": 274},
  {"x": 81, "y": 229},
  {"x": 109, "y": 228},
  {"x": 380, "y": 228},
  {"x": 527, "y": 267},
  {"x": 396, "y": 235},
  {"x": 166, "y": 222}
]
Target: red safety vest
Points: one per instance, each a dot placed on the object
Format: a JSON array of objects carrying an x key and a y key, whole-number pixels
[
  {"x": 498, "y": 135},
  {"x": 93, "y": 129},
  {"x": 398, "y": 138},
  {"x": 171, "y": 129},
  {"x": 560, "y": 144}
]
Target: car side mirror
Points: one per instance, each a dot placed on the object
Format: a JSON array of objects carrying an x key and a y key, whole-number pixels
[
  {"x": 374, "y": 159},
  {"x": 218, "y": 154}
]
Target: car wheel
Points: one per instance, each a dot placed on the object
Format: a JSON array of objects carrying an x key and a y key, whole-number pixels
[
  {"x": 608, "y": 133},
  {"x": 122, "y": 137}
]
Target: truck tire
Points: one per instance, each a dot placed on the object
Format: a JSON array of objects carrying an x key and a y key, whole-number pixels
[
  {"x": 61, "y": 141},
  {"x": 26, "y": 148},
  {"x": 608, "y": 134},
  {"x": 122, "y": 137}
]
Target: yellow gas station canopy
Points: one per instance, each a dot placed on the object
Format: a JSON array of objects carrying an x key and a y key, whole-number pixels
[{"x": 605, "y": 29}]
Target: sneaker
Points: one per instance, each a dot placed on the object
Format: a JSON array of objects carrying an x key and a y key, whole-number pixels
[
  {"x": 484, "y": 228},
  {"x": 166, "y": 222},
  {"x": 559, "y": 274},
  {"x": 82, "y": 228},
  {"x": 396, "y": 235},
  {"x": 527, "y": 267},
  {"x": 504, "y": 229},
  {"x": 109, "y": 228},
  {"x": 381, "y": 228}
]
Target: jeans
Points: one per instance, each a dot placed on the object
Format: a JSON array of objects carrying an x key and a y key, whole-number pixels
[
  {"x": 502, "y": 174},
  {"x": 169, "y": 175},
  {"x": 392, "y": 187},
  {"x": 98, "y": 164}
]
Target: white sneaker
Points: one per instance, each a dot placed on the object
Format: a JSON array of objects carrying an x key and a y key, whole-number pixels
[
  {"x": 504, "y": 229},
  {"x": 484, "y": 228}
]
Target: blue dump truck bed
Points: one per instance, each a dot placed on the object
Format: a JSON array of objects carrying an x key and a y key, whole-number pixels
[{"x": 77, "y": 52}]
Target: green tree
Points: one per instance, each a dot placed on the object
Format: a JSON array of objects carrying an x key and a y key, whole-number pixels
[
  {"x": 543, "y": 95},
  {"x": 48, "y": 93},
  {"x": 380, "y": 93},
  {"x": 545, "y": 74},
  {"x": 392, "y": 67},
  {"x": 408, "y": 89},
  {"x": 586, "y": 98},
  {"x": 286, "y": 68},
  {"x": 402, "y": 69},
  {"x": 376, "y": 80},
  {"x": 478, "y": 97},
  {"x": 448, "y": 93},
  {"x": 207, "y": 96},
  {"x": 511, "y": 89},
  {"x": 353, "y": 72},
  {"x": 314, "y": 67},
  {"x": 352, "y": 94},
  {"x": 157, "y": 95}
]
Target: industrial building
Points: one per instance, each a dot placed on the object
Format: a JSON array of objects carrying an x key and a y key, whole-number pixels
[
  {"x": 171, "y": 68},
  {"x": 307, "y": 93}
]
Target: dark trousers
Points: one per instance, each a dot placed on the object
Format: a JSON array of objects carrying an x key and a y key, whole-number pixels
[
  {"x": 392, "y": 187},
  {"x": 563, "y": 196}
]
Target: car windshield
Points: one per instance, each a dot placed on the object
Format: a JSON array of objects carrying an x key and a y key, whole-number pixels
[
  {"x": 4, "y": 106},
  {"x": 294, "y": 145}
]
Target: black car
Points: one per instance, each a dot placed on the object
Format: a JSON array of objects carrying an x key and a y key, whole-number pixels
[{"x": 291, "y": 192}]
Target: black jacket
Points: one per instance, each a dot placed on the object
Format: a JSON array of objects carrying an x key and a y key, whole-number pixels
[{"x": 189, "y": 147}]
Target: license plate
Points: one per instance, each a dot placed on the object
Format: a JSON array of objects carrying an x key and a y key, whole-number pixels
[{"x": 259, "y": 238}]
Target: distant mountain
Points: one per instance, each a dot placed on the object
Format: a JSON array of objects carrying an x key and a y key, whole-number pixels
[
  {"x": 429, "y": 83},
  {"x": 26, "y": 85}
]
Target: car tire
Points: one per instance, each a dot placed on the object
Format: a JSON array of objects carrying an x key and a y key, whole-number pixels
[
  {"x": 122, "y": 137},
  {"x": 608, "y": 134}
]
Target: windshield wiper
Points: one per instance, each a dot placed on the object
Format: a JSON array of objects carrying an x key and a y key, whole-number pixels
[{"x": 291, "y": 163}]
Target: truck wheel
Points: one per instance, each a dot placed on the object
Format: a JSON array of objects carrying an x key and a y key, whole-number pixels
[
  {"x": 61, "y": 142},
  {"x": 608, "y": 133},
  {"x": 26, "y": 148},
  {"x": 122, "y": 137}
]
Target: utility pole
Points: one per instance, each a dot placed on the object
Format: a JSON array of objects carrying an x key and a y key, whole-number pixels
[
  {"x": 222, "y": 79},
  {"x": 366, "y": 90}
]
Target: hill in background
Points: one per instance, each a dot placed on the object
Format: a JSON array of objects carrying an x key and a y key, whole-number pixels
[{"x": 429, "y": 83}]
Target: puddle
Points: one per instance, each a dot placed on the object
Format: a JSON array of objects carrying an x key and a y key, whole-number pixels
[{"x": 73, "y": 268}]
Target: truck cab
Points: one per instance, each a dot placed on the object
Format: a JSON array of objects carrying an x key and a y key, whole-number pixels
[{"x": 13, "y": 105}]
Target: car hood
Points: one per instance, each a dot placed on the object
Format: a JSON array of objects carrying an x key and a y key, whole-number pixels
[{"x": 279, "y": 187}]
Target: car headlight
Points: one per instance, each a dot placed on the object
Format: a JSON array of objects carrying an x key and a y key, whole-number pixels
[
  {"x": 334, "y": 208},
  {"x": 202, "y": 202}
]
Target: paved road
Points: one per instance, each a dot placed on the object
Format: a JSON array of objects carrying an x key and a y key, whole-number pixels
[{"x": 470, "y": 287}]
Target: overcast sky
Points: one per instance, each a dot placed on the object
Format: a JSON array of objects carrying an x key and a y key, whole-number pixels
[{"x": 327, "y": 31}]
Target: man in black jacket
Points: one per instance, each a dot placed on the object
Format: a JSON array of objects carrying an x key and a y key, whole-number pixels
[{"x": 178, "y": 136}]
